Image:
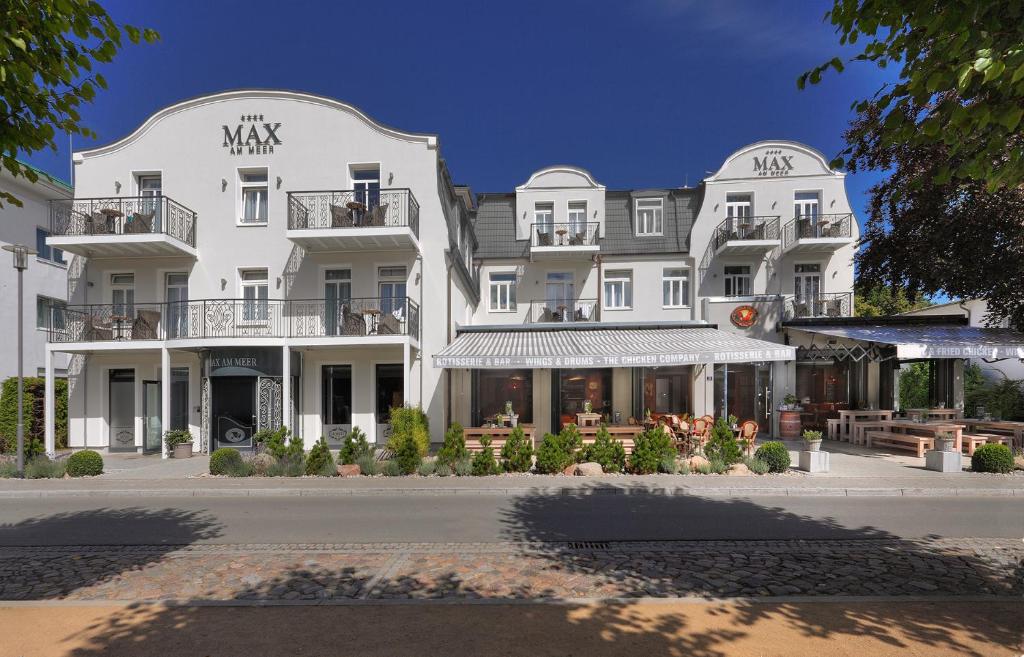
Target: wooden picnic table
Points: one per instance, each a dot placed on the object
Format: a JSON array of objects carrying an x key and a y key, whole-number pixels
[
  {"x": 998, "y": 426},
  {"x": 498, "y": 437},
  {"x": 848, "y": 417},
  {"x": 936, "y": 413},
  {"x": 909, "y": 427},
  {"x": 622, "y": 432}
]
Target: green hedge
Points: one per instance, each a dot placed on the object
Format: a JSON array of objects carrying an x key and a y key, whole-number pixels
[
  {"x": 992, "y": 457},
  {"x": 34, "y": 408},
  {"x": 85, "y": 463}
]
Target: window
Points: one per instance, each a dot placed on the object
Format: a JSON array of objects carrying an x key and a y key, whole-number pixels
[
  {"x": 50, "y": 313},
  {"x": 738, "y": 210},
  {"x": 737, "y": 281},
  {"x": 337, "y": 295},
  {"x": 807, "y": 290},
  {"x": 807, "y": 204},
  {"x": 578, "y": 218},
  {"x": 176, "y": 296},
  {"x": 254, "y": 294},
  {"x": 493, "y": 388},
  {"x": 366, "y": 185},
  {"x": 336, "y": 388},
  {"x": 392, "y": 290},
  {"x": 618, "y": 289},
  {"x": 648, "y": 216},
  {"x": 544, "y": 217},
  {"x": 503, "y": 291},
  {"x": 254, "y": 196},
  {"x": 675, "y": 288},
  {"x": 122, "y": 294},
  {"x": 151, "y": 189},
  {"x": 45, "y": 251}
]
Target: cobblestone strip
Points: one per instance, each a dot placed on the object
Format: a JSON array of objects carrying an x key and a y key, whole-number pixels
[{"x": 374, "y": 587}]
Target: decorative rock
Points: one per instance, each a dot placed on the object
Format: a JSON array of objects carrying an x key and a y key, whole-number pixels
[
  {"x": 738, "y": 469},
  {"x": 571, "y": 470},
  {"x": 261, "y": 463},
  {"x": 697, "y": 462},
  {"x": 589, "y": 469},
  {"x": 349, "y": 470}
]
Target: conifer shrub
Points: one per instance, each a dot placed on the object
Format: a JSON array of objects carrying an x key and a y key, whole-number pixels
[
  {"x": 483, "y": 461},
  {"x": 319, "y": 460},
  {"x": 517, "y": 452},
  {"x": 651, "y": 449},
  {"x": 605, "y": 450},
  {"x": 354, "y": 447},
  {"x": 558, "y": 451}
]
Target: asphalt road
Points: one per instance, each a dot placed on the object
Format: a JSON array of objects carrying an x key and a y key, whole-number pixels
[{"x": 487, "y": 518}]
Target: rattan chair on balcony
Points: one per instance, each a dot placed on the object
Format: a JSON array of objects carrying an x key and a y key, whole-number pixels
[
  {"x": 99, "y": 224},
  {"x": 390, "y": 324},
  {"x": 352, "y": 323},
  {"x": 543, "y": 238},
  {"x": 377, "y": 216},
  {"x": 801, "y": 309},
  {"x": 341, "y": 217},
  {"x": 140, "y": 223},
  {"x": 96, "y": 329},
  {"x": 146, "y": 325}
]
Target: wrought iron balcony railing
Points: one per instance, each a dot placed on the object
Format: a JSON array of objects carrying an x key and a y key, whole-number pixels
[
  {"x": 235, "y": 318},
  {"x": 817, "y": 226},
  {"x": 746, "y": 228},
  {"x": 123, "y": 215},
  {"x": 563, "y": 310},
  {"x": 823, "y": 304},
  {"x": 564, "y": 234},
  {"x": 354, "y": 209}
]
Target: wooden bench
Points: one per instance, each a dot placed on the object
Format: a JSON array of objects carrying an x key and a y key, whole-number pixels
[
  {"x": 900, "y": 441},
  {"x": 498, "y": 437},
  {"x": 971, "y": 441}
]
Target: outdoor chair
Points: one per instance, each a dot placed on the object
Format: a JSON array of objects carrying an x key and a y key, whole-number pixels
[
  {"x": 390, "y": 324},
  {"x": 341, "y": 217},
  {"x": 579, "y": 239},
  {"x": 377, "y": 216},
  {"x": 95, "y": 328},
  {"x": 145, "y": 325},
  {"x": 99, "y": 225},
  {"x": 804, "y": 228},
  {"x": 352, "y": 323},
  {"x": 748, "y": 434},
  {"x": 801, "y": 309},
  {"x": 700, "y": 431},
  {"x": 543, "y": 238},
  {"x": 140, "y": 223}
]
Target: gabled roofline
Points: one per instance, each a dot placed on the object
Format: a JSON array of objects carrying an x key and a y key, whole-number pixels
[
  {"x": 768, "y": 143},
  {"x": 565, "y": 168},
  {"x": 429, "y": 140}
]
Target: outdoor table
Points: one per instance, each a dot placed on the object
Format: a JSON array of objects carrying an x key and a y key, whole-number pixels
[
  {"x": 847, "y": 417},
  {"x": 588, "y": 419},
  {"x": 561, "y": 232},
  {"x": 860, "y": 427},
  {"x": 937, "y": 413},
  {"x": 925, "y": 428},
  {"x": 112, "y": 215},
  {"x": 498, "y": 437},
  {"x": 624, "y": 433},
  {"x": 372, "y": 319},
  {"x": 998, "y": 426},
  {"x": 357, "y": 209}
]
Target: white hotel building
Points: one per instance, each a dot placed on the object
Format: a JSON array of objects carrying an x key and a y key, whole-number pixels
[{"x": 253, "y": 259}]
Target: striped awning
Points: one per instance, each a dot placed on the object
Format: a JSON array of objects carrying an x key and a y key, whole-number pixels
[
  {"x": 633, "y": 347},
  {"x": 933, "y": 341}
]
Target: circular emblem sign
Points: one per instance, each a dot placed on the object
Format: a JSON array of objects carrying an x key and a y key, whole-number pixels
[
  {"x": 234, "y": 435},
  {"x": 743, "y": 316}
]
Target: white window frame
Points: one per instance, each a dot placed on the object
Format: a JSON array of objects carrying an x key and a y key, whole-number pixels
[
  {"x": 677, "y": 285},
  {"x": 47, "y": 253},
  {"x": 245, "y": 186},
  {"x": 622, "y": 281},
  {"x": 656, "y": 219},
  {"x": 262, "y": 315},
  {"x": 127, "y": 290},
  {"x": 364, "y": 192},
  {"x": 800, "y": 204},
  {"x": 55, "y": 311},
  {"x": 735, "y": 278},
  {"x": 576, "y": 216},
  {"x": 546, "y": 209},
  {"x": 506, "y": 292}
]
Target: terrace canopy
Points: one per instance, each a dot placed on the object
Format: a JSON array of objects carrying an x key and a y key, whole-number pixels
[{"x": 603, "y": 345}]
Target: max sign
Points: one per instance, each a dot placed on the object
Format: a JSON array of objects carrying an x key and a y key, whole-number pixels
[
  {"x": 773, "y": 164},
  {"x": 252, "y": 135}
]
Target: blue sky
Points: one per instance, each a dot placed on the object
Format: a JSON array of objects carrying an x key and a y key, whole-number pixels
[{"x": 642, "y": 93}]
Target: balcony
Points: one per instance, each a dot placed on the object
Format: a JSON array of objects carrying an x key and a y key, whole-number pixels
[
  {"x": 235, "y": 319},
  {"x": 825, "y": 304},
  {"x": 823, "y": 233},
  {"x": 131, "y": 226},
  {"x": 564, "y": 240},
  {"x": 746, "y": 236},
  {"x": 354, "y": 220},
  {"x": 562, "y": 311}
]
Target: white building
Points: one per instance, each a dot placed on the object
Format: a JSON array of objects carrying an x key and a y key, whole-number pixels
[{"x": 45, "y": 279}]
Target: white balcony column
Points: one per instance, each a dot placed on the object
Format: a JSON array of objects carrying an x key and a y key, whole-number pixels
[
  {"x": 49, "y": 406},
  {"x": 165, "y": 397},
  {"x": 286, "y": 387},
  {"x": 406, "y": 372}
]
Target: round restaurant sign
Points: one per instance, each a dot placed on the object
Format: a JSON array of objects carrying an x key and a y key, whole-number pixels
[{"x": 743, "y": 316}]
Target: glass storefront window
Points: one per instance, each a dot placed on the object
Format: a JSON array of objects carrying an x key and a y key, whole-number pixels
[
  {"x": 577, "y": 386},
  {"x": 337, "y": 394},
  {"x": 744, "y": 390},
  {"x": 666, "y": 390},
  {"x": 492, "y": 388},
  {"x": 823, "y": 383}
]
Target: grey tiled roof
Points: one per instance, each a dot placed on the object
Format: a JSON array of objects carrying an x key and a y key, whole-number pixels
[{"x": 495, "y": 224}]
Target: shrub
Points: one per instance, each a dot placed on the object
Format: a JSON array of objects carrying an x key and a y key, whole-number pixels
[
  {"x": 319, "y": 460},
  {"x": 517, "y": 452},
  {"x": 464, "y": 467},
  {"x": 682, "y": 467},
  {"x": 223, "y": 459},
  {"x": 8, "y": 469},
  {"x": 454, "y": 447},
  {"x": 176, "y": 437},
  {"x": 650, "y": 448},
  {"x": 409, "y": 423},
  {"x": 85, "y": 463},
  {"x": 775, "y": 454},
  {"x": 355, "y": 447},
  {"x": 262, "y": 464},
  {"x": 390, "y": 469},
  {"x": 722, "y": 444},
  {"x": 368, "y": 465},
  {"x": 407, "y": 453},
  {"x": 240, "y": 468},
  {"x": 558, "y": 452},
  {"x": 41, "y": 467},
  {"x": 287, "y": 467},
  {"x": 992, "y": 458},
  {"x": 427, "y": 468},
  {"x": 668, "y": 465},
  {"x": 32, "y": 405},
  {"x": 272, "y": 441},
  {"x": 483, "y": 461},
  {"x": 756, "y": 465},
  {"x": 443, "y": 469},
  {"x": 605, "y": 450},
  {"x": 718, "y": 467}
]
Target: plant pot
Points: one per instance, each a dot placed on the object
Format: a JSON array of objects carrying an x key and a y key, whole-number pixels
[
  {"x": 183, "y": 451},
  {"x": 944, "y": 444},
  {"x": 813, "y": 445}
]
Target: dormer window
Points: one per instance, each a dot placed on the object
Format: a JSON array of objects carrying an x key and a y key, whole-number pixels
[{"x": 649, "y": 216}]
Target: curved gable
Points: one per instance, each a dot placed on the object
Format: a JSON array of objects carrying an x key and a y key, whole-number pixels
[
  {"x": 774, "y": 159},
  {"x": 560, "y": 176}
]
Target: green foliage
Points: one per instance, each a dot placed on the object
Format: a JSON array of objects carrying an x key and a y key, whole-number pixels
[
  {"x": 427, "y": 468},
  {"x": 992, "y": 457},
  {"x": 650, "y": 449},
  {"x": 756, "y": 465},
  {"x": 368, "y": 465},
  {"x": 775, "y": 454},
  {"x": 8, "y": 469},
  {"x": 463, "y": 467},
  {"x": 668, "y": 465},
  {"x": 319, "y": 460},
  {"x": 557, "y": 452},
  {"x": 85, "y": 463},
  {"x": 722, "y": 444},
  {"x": 517, "y": 452},
  {"x": 883, "y": 300},
  {"x": 224, "y": 459},
  {"x": 409, "y": 423},
  {"x": 355, "y": 447},
  {"x": 407, "y": 452},
  {"x": 605, "y": 450},
  {"x": 454, "y": 447},
  {"x": 810, "y": 435},
  {"x": 176, "y": 437},
  {"x": 1003, "y": 398},
  {"x": 48, "y": 50},
  {"x": 41, "y": 467},
  {"x": 275, "y": 442},
  {"x": 913, "y": 392},
  {"x": 390, "y": 469},
  {"x": 483, "y": 461},
  {"x": 443, "y": 469},
  {"x": 33, "y": 406}
]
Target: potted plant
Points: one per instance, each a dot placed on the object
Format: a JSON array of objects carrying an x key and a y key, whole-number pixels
[
  {"x": 813, "y": 440},
  {"x": 944, "y": 441},
  {"x": 179, "y": 443},
  {"x": 588, "y": 406},
  {"x": 789, "y": 402}
]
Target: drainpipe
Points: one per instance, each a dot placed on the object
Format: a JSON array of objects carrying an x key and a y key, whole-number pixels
[
  {"x": 419, "y": 257},
  {"x": 597, "y": 261},
  {"x": 448, "y": 341},
  {"x": 966, "y": 310}
]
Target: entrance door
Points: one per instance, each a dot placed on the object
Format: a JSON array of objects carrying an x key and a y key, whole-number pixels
[
  {"x": 744, "y": 390},
  {"x": 121, "y": 411},
  {"x": 152, "y": 427},
  {"x": 390, "y": 394},
  {"x": 233, "y": 401}
]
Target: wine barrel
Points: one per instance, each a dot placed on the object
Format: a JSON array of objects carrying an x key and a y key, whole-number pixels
[{"x": 789, "y": 424}]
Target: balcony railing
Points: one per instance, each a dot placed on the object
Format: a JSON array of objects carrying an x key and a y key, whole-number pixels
[
  {"x": 235, "y": 318},
  {"x": 824, "y": 304},
  {"x": 563, "y": 310},
  {"x": 564, "y": 234},
  {"x": 817, "y": 226},
  {"x": 746, "y": 228},
  {"x": 354, "y": 209},
  {"x": 123, "y": 215}
]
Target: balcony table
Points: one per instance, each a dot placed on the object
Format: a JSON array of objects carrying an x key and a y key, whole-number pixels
[
  {"x": 121, "y": 332},
  {"x": 113, "y": 216},
  {"x": 372, "y": 319},
  {"x": 357, "y": 209},
  {"x": 847, "y": 417},
  {"x": 561, "y": 232}
]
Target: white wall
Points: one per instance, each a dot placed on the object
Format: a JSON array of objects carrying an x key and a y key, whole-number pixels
[{"x": 558, "y": 185}]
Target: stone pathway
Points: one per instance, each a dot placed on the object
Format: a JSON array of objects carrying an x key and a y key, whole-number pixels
[{"x": 319, "y": 572}]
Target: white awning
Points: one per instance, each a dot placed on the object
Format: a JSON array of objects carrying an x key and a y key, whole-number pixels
[
  {"x": 938, "y": 341},
  {"x": 598, "y": 347}
]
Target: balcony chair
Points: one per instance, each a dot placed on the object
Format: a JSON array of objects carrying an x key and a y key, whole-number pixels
[
  {"x": 145, "y": 325},
  {"x": 390, "y": 323},
  {"x": 583, "y": 312},
  {"x": 140, "y": 223},
  {"x": 801, "y": 309},
  {"x": 834, "y": 308},
  {"x": 804, "y": 228},
  {"x": 352, "y": 323},
  {"x": 95, "y": 329},
  {"x": 341, "y": 217},
  {"x": 543, "y": 239},
  {"x": 579, "y": 239},
  {"x": 835, "y": 230},
  {"x": 99, "y": 224},
  {"x": 377, "y": 216}
]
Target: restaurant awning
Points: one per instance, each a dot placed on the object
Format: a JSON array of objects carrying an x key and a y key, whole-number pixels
[
  {"x": 481, "y": 347},
  {"x": 932, "y": 341}
]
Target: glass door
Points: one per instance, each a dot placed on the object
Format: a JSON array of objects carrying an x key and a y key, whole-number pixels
[
  {"x": 152, "y": 428},
  {"x": 177, "y": 305},
  {"x": 806, "y": 207},
  {"x": 392, "y": 290},
  {"x": 390, "y": 394},
  {"x": 337, "y": 295},
  {"x": 738, "y": 210},
  {"x": 560, "y": 297},
  {"x": 744, "y": 390},
  {"x": 121, "y": 410},
  {"x": 151, "y": 189},
  {"x": 807, "y": 290}
]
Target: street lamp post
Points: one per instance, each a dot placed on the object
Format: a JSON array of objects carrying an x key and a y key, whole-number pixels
[{"x": 21, "y": 254}]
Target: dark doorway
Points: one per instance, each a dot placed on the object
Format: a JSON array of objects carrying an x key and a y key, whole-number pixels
[
  {"x": 233, "y": 402},
  {"x": 390, "y": 394}
]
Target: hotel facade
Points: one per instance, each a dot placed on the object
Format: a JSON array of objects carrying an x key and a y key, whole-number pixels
[{"x": 252, "y": 259}]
